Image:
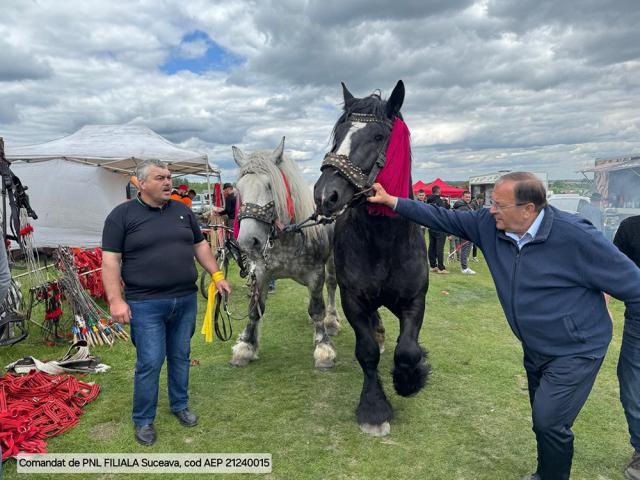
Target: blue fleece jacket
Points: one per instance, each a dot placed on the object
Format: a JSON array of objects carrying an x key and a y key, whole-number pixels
[{"x": 551, "y": 289}]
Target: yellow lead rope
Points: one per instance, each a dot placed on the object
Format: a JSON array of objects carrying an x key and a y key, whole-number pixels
[{"x": 207, "y": 324}]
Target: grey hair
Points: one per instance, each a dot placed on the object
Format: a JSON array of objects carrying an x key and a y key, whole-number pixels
[
  {"x": 261, "y": 162},
  {"x": 142, "y": 169},
  {"x": 528, "y": 188}
]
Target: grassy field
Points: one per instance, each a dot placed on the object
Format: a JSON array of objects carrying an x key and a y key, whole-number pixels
[{"x": 472, "y": 421}]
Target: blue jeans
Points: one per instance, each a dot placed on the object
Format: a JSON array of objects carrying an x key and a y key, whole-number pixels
[
  {"x": 629, "y": 378},
  {"x": 161, "y": 328}
]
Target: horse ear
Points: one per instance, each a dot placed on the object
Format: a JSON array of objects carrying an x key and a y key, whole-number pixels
[
  {"x": 279, "y": 152},
  {"x": 238, "y": 156},
  {"x": 394, "y": 104},
  {"x": 346, "y": 94}
]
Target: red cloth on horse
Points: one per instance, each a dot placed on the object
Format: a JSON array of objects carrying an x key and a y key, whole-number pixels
[{"x": 396, "y": 173}]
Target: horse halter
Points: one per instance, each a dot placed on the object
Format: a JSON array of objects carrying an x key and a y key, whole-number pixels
[
  {"x": 352, "y": 172},
  {"x": 262, "y": 213}
]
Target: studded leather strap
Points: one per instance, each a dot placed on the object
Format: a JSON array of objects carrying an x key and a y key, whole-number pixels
[{"x": 263, "y": 213}]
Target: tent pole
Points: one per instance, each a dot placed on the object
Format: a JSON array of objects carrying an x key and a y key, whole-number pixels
[{"x": 208, "y": 184}]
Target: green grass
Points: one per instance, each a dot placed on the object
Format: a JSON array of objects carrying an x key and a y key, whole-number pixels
[{"x": 472, "y": 421}]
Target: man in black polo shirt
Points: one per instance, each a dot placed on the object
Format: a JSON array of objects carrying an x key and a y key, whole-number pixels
[
  {"x": 150, "y": 243},
  {"x": 627, "y": 240}
]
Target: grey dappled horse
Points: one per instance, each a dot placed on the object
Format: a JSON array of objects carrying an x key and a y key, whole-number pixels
[{"x": 272, "y": 195}]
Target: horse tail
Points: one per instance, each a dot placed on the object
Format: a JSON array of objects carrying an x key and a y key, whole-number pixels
[{"x": 411, "y": 368}]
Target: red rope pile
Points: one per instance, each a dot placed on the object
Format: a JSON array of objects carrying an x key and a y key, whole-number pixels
[
  {"x": 87, "y": 261},
  {"x": 38, "y": 406}
]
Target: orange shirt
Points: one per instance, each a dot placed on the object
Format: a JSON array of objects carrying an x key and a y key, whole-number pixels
[
  {"x": 176, "y": 196},
  {"x": 187, "y": 201}
]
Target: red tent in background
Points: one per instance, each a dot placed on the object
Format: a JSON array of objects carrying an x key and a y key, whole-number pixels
[{"x": 446, "y": 190}]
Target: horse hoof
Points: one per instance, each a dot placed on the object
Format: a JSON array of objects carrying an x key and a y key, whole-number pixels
[
  {"x": 381, "y": 430},
  {"x": 242, "y": 354},
  {"x": 324, "y": 356},
  {"x": 239, "y": 362}
]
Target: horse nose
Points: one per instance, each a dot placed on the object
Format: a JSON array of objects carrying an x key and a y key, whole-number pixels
[
  {"x": 329, "y": 201},
  {"x": 250, "y": 244},
  {"x": 257, "y": 244}
]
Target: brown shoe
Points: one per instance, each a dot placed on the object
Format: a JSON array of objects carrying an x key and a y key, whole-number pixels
[
  {"x": 445, "y": 271},
  {"x": 434, "y": 269}
]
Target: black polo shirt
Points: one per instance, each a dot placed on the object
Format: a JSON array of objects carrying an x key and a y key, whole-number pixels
[
  {"x": 627, "y": 238},
  {"x": 156, "y": 246}
]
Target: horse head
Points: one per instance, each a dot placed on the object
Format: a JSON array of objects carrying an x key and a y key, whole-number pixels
[
  {"x": 261, "y": 190},
  {"x": 360, "y": 138}
]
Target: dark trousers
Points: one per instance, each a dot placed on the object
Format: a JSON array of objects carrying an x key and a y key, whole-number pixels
[
  {"x": 629, "y": 378},
  {"x": 436, "y": 249},
  {"x": 558, "y": 389}
]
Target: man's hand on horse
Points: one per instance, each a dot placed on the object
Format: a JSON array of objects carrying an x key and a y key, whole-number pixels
[{"x": 381, "y": 196}]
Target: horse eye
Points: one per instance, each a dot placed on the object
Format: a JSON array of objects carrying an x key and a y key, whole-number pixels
[{"x": 379, "y": 137}]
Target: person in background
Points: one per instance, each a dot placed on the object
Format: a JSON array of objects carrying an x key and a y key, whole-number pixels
[
  {"x": 476, "y": 204},
  {"x": 188, "y": 200},
  {"x": 229, "y": 203},
  {"x": 149, "y": 243},
  {"x": 592, "y": 211},
  {"x": 179, "y": 193},
  {"x": 627, "y": 240},
  {"x": 421, "y": 196},
  {"x": 436, "y": 237},
  {"x": 551, "y": 296},
  {"x": 464, "y": 245}
]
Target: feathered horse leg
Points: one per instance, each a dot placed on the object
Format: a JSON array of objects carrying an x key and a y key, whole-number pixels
[
  {"x": 324, "y": 353},
  {"x": 331, "y": 320},
  {"x": 246, "y": 348},
  {"x": 374, "y": 410},
  {"x": 410, "y": 370}
]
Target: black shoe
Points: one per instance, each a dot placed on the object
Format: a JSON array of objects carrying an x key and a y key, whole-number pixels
[
  {"x": 146, "y": 435},
  {"x": 187, "y": 418}
]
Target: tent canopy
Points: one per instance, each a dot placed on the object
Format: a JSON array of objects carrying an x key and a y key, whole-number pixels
[
  {"x": 446, "y": 190},
  {"x": 119, "y": 148}
]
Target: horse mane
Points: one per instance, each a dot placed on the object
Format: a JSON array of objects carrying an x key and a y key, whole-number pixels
[
  {"x": 373, "y": 105},
  {"x": 261, "y": 163}
]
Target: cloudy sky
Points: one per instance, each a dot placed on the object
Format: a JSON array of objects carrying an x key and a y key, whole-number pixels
[{"x": 542, "y": 85}]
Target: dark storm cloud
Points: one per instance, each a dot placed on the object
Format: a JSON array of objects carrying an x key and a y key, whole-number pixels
[{"x": 491, "y": 85}]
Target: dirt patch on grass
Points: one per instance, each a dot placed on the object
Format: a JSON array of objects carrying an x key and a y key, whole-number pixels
[{"x": 105, "y": 431}]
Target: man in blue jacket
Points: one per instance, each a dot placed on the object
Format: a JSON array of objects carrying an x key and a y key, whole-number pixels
[{"x": 550, "y": 269}]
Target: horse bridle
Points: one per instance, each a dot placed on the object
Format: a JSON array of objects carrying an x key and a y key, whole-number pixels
[
  {"x": 262, "y": 213},
  {"x": 349, "y": 170}
]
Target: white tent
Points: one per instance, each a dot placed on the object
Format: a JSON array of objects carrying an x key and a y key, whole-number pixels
[{"x": 75, "y": 181}]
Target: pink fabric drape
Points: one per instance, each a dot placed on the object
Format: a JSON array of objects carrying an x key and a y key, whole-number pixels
[
  {"x": 395, "y": 174},
  {"x": 236, "y": 222}
]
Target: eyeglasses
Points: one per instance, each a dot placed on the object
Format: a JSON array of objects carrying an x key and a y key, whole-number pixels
[{"x": 499, "y": 207}]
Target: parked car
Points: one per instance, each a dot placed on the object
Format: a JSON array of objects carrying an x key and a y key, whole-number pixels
[
  {"x": 568, "y": 202},
  {"x": 198, "y": 204}
]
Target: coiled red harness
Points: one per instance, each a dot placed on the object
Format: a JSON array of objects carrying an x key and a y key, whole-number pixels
[{"x": 38, "y": 406}]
